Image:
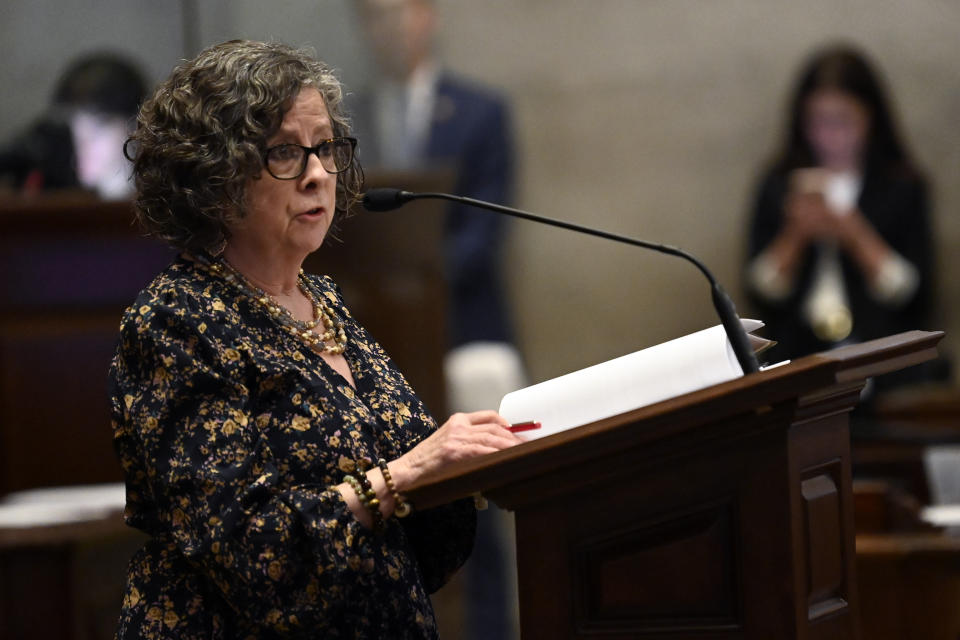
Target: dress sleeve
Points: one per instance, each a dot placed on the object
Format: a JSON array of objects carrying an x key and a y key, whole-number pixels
[
  {"x": 190, "y": 436},
  {"x": 766, "y": 217},
  {"x": 902, "y": 217},
  {"x": 442, "y": 539},
  {"x": 769, "y": 292}
]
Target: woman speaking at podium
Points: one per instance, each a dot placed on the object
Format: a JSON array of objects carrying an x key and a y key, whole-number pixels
[{"x": 266, "y": 439}]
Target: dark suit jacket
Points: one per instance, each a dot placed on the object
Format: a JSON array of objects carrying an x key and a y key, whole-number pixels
[{"x": 469, "y": 132}]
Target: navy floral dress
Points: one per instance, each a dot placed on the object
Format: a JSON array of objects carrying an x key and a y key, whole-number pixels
[{"x": 232, "y": 435}]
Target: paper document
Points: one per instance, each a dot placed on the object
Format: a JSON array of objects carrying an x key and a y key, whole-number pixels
[{"x": 670, "y": 369}]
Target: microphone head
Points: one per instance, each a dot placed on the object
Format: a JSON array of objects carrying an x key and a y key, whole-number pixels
[{"x": 385, "y": 199}]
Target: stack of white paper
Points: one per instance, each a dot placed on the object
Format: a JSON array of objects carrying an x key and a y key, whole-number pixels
[{"x": 667, "y": 370}]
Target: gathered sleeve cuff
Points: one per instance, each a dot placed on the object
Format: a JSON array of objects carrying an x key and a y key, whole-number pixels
[
  {"x": 896, "y": 281},
  {"x": 767, "y": 280}
]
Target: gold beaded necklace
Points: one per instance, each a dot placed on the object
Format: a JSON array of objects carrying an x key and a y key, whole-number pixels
[{"x": 322, "y": 312}]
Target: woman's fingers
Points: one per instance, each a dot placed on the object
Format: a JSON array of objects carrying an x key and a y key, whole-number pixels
[
  {"x": 462, "y": 439},
  {"x": 501, "y": 436},
  {"x": 500, "y": 433},
  {"x": 491, "y": 435},
  {"x": 480, "y": 417},
  {"x": 477, "y": 417},
  {"x": 463, "y": 436}
]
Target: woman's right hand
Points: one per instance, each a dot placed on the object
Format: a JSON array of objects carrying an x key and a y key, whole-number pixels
[
  {"x": 809, "y": 219},
  {"x": 463, "y": 436},
  {"x": 806, "y": 219}
]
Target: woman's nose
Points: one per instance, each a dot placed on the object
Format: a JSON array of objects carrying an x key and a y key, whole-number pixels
[{"x": 315, "y": 172}]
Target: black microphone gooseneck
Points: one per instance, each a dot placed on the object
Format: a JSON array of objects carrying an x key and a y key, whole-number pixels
[{"x": 389, "y": 199}]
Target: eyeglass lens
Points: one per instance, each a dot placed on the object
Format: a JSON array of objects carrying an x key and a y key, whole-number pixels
[{"x": 287, "y": 161}]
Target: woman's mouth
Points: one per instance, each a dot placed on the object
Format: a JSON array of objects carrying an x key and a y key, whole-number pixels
[{"x": 312, "y": 214}]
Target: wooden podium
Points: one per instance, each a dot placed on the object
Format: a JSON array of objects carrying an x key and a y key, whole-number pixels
[{"x": 724, "y": 513}]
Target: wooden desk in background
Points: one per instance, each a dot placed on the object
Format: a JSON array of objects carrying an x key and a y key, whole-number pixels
[
  {"x": 71, "y": 264},
  {"x": 889, "y": 443},
  {"x": 908, "y": 571},
  {"x": 63, "y": 563},
  {"x": 909, "y": 586}
]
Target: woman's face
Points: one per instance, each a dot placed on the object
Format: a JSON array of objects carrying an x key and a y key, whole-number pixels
[
  {"x": 837, "y": 126},
  {"x": 290, "y": 218}
]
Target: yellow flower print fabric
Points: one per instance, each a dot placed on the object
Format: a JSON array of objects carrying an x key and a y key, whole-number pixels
[{"x": 232, "y": 435}]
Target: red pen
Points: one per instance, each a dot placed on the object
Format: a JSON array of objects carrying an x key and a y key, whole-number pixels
[{"x": 517, "y": 427}]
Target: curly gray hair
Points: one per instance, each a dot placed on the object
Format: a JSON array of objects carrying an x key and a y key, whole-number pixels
[{"x": 201, "y": 137}]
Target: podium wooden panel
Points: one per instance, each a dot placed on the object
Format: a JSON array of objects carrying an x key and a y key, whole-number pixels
[{"x": 724, "y": 513}]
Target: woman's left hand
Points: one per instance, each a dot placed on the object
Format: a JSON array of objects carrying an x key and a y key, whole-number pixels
[
  {"x": 862, "y": 242},
  {"x": 463, "y": 436}
]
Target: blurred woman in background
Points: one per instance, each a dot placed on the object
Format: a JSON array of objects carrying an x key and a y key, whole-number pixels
[{"x": 840, "y": 236}]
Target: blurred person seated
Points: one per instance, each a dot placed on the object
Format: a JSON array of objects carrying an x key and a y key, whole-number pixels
[
  {"x": 840, "y": 246},
  {"x": 78, "y": 142}
]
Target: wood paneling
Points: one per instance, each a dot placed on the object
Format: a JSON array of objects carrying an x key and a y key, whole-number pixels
[
  {"x": 678, "y": 569},
  {"x": 724, "y": 513},
  {"x": 64, "y": 582},
  {"x": 909, "y": 586},
  {"x": 70, "y": 265},
  {"x": 824, "y": 536}
]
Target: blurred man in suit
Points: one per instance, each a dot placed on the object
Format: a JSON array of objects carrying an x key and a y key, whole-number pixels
[{"x": 419, "y": 116}]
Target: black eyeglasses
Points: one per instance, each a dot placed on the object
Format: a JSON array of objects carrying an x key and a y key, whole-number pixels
[{"x": 289, "y": 161}]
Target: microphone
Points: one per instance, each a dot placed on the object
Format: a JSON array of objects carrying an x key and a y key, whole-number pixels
[{"x": 385, "y": 199}]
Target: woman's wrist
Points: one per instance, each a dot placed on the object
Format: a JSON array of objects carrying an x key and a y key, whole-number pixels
[
  {"x": 784, "y": 252},
  {"x": 361, "y": 508},
  {"x": 859, "y": 238},
  {"x": 400, "y": 507},
  {"x": 387, "y": 490},
  {"x": 352, "y": 500},
  {"x": 401, "y": 473}
]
